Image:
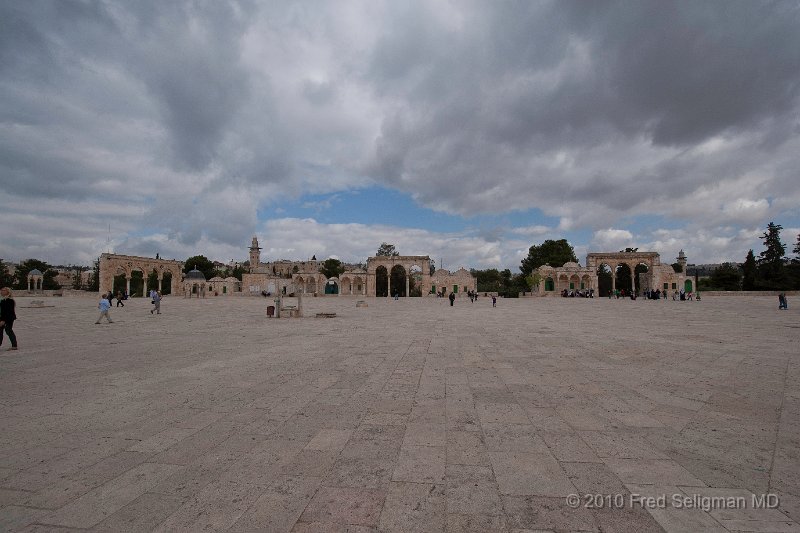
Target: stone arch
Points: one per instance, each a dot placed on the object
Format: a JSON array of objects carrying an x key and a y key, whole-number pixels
[
  {"x": 381, "y": 281},
  {"x": 346, "y": 285},
  {"x": 623, "y": 277},
  {"x": 331, "y": 286},
  {"x": 311, "y": 285},
  {"x": 359, "y": 285},
  {"x": 415, "y": 279},
  {"x": 605, "y": 279},
  {"x": 398, "y": 277}
]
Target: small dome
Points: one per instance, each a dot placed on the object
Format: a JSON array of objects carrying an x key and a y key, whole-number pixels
[
  {"x": 195, "y": 274},
  {"x": 35, "y": 272}
]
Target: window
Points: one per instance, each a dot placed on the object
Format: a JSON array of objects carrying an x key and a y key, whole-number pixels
[
  {"x": 674, "y": 286},
  {"x": 666, "y": 286}
]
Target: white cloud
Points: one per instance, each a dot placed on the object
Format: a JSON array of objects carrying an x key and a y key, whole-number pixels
[{"x": 612, "y": 239}]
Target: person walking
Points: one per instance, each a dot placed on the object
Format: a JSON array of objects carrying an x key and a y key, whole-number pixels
[
  {"x": 782, "y": 303},
  {"x": 104, "y": 306},
  {"x": 8, "y": 315},
  {"x": 494, "y": 300},
  {"x": 156, "y": 303},
  {"x": 119, "y": 299},
  {"x": 452, "y": 298}
]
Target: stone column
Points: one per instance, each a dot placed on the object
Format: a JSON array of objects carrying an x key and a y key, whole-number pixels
[
  {"x": 613, "y": 280},
  {"x": 127, "y": 285},
  {"x": 159, "y": 284},
  {"x": 29, "y": 284},
  {"x": 388, "y": 284},
  {"x": 408, "y": 290},
  {"x": 633, "y": 282}
]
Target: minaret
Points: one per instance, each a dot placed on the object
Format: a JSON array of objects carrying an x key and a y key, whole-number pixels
[
  {"x": 255, "y": 254},
  {"x": 682, "y": 261}
]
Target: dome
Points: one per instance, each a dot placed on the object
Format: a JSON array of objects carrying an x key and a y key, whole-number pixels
[
  {"x": 195, "y": 274},
  {"x": 35, "y": 272}
]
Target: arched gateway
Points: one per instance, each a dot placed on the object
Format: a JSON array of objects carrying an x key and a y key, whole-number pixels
[
  {"x": 419, "y": 263},
  {"x": 652, "y": 260},
  {"x": 114, "y": 264}
]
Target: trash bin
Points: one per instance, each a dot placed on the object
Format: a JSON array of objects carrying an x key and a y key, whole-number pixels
[{"x": 270, "y": 311}]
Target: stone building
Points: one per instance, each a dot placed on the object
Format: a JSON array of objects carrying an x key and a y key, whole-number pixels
[
  {"x": 194, "y": 284},
  {"x": 224, "y": 286},
  {"x": 305, "y": 277},
  {"x": 458, "y": 282}
]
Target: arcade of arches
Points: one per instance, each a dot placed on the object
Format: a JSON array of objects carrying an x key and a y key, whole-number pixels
[
  {"x": 606, "y": 272},
  {"x": 390, "y": 275},
  {"x": 146, "y": 274}
]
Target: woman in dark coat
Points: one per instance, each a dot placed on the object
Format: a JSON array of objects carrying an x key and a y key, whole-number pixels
[{"x": 7, "y": 316}]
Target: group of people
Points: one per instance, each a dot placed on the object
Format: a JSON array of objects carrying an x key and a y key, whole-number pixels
[
  {"x": 105, "y": 304},
  {"x": 582, "y": 293}
]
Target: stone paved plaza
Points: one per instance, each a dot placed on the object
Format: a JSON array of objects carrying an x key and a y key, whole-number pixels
[{"x": 402, "y": 416}]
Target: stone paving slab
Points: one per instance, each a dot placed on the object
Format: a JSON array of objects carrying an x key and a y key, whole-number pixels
[{"x": 407, "y": 415}]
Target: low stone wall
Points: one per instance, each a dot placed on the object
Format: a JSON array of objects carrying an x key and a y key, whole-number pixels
[{"x": 748, "y": 293}]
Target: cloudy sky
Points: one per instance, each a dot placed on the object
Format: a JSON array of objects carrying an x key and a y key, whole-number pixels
[{"x": 465, "y": 130}]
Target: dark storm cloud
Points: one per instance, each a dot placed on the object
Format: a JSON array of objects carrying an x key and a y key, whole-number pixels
[{"x": 518, "y": 82}]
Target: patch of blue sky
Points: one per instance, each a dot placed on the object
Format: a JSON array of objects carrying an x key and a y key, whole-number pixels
[{"x": 384, "y": 206}]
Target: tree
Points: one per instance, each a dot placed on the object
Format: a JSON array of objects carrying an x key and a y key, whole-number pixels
[
  {"x": 387, "y": 250},
  {"x": 77, "y": 284},
  {"x": 727, "y": 277},
  {"x": 6, "y": 279},
  {"x": 677, "y": 268},
  {"x": 796, "y": 248},
  {"x": 550, "y": 252},
  {"x": 201, "y": 263},
  {"x": 49, "y": 275},
  {"x": 94, "y": 279},
  {"x": 534, "y": 280},
  {"x": 750, "y": 272},
  {"x": 771, "y": 268},
  {"x": 488, "y": 280},
  {"x": 331, "y": 268}
]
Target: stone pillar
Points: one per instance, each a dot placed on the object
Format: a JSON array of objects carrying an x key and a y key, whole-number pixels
[
  {"x": 127, "y": 285},
  {"x": 29, "y": 284},
  {"x": 388, "y": 284},
  {"x": 408, "y": 285},
  {"x": 351, "y": 286},
  {"x": 633, "y": 283},
  {"x": 159, "y": 284},
  {"x": 613, "y": 280}
]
